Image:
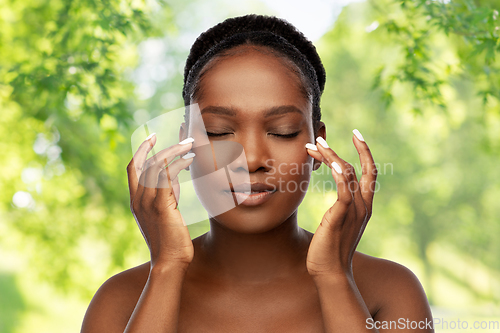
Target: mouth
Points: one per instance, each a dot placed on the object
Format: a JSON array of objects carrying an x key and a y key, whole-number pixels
[{"x": 251, "y": 194}]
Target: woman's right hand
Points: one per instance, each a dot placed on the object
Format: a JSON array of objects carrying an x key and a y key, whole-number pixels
[{"x": 154, "y": 191}]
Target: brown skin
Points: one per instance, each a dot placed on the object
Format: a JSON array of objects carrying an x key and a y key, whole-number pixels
[{"x": 256, "y": 270}]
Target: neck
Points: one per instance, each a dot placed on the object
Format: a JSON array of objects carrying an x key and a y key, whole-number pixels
[{"x": 256, "y": 258}]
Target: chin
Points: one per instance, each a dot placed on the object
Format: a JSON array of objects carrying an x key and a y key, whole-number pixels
[
  {"x": 259, "y": 219},
  {"x": 246, "y": 220}
]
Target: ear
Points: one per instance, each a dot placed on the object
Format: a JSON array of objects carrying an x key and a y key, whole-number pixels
[
  {"x": 183, "y": 135},
  {"x": 322, "y": 133}
]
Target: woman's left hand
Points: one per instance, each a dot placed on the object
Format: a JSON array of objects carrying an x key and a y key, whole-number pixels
[{"x": 334, "y": 243}]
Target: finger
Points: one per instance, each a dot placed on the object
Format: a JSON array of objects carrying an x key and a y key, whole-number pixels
[
  {"x": 153, "y": 171},
  {"x": 339, "y": 169},
  {"x": 140, "y": 190},
  {"x": 176, "y": 188},
  {"x": 369, "y": 170},
  {"x": 165, "y": 194},
  {"x": 158, "y": 161},
  {"x": 171, "y": 152},
  {"x": 355, "y": 188},
  {"x": 335, "y": 216},
  {"x": 134, "y": 168},
  {"x": 350, "y": 174},
  {"x": 146, "y": 192}
]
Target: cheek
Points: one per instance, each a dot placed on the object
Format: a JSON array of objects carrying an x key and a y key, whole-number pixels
[{"x": 293, "y": 163}]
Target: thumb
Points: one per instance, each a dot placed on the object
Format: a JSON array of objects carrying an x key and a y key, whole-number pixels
[
  {"x": 167, "y": 193},
  {"x": 335, "y": 215}
]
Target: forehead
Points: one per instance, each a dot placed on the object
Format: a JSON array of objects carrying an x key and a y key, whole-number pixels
[{"x": 252, "y": 79}]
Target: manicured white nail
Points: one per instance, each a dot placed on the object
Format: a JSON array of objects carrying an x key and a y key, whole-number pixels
[
  {"x": 322, "y": 142},
  {"x": 358, "y": 135},
  {"x": 311, "y": 146},
  {"x": 186, "y": 141},
  {"x": 150, "y": 136},
  {"x": 336, "y": 167},
  {"x": 188, "y": 156}
]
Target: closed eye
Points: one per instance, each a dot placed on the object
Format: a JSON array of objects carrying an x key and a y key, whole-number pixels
[
  {"x": 285, "y": 136},
  {"x": 279, "y": 135},
  {"x": 217, "y": 134}
]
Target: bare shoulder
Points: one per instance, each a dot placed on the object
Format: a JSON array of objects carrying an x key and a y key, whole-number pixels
[
  {"x": 114, "y": 302},
  {"x": 382, "y": 271},
  {"x": 392, "y": 289}
]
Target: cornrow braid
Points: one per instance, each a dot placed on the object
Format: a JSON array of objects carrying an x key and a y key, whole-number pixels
[{"x": 259, "y": 30}]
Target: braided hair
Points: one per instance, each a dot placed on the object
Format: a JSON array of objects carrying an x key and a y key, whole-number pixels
[{"x": 272, "y": 33}]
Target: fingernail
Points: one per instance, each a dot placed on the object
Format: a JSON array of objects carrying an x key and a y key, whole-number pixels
[
  {"x": 337, "y": 167},
  {"x": 188, "y": 156},
  {"x": 186, "y": 141},
  {"x": 322, "y": 142},
  {"x": 150, "y": 136},
  {"x": 358, "y": 135},
  {"x": 311, "y": 146}
]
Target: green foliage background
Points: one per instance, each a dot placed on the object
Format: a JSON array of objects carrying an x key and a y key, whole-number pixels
[{"x": 419, "y": 79}]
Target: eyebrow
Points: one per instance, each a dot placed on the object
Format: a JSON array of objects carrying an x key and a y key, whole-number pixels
[
  {"x": 219, "y": 110},
  {"x": 274, "y": 111},
  {"x": 283, "y": 109}
]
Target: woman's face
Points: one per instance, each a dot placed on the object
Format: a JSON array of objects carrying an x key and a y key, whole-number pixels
[{"x": 254, "y": 99}]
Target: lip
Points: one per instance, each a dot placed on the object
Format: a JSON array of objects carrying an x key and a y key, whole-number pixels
[
  {"x": 260, "y": 193},
  {"x": 254, "y": 187}
]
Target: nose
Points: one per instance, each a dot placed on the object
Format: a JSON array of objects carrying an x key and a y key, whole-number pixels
[{"x": 256, "y": 152}]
